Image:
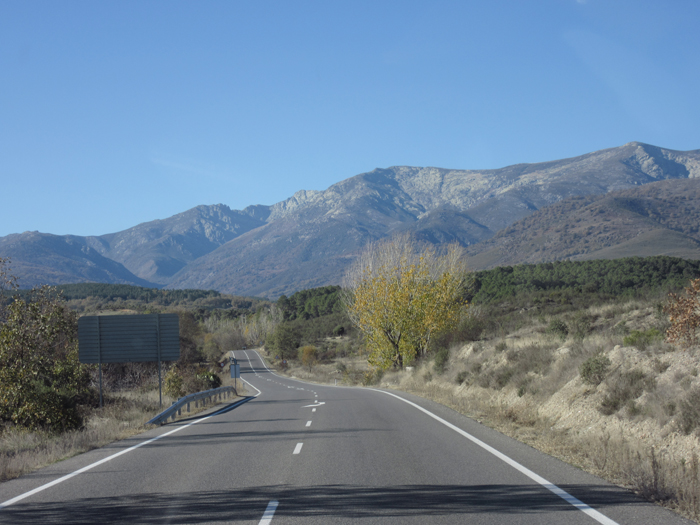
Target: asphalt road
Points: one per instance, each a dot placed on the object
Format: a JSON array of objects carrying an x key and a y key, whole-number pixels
[{"x": 305, "y": 454}]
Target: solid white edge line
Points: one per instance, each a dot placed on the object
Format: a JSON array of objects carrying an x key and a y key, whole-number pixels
[
  {"x": 601, "y": 518},
  {"x": 269, "y": 513},
  {"x": 41, "y": 488},
  {"x": 575, "y": 502},
  {"x": 297, "y": 449}
]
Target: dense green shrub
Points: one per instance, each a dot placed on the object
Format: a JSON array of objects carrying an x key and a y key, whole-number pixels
[
  {"x": 580, "y": 326},
  {"x": 642, "y": 339},
  {"x": 173, "y": 384},
  {"x": 42, "y": 383},
  {"x": 594, "y": 369},
  {"x": 558, "y": 328}
]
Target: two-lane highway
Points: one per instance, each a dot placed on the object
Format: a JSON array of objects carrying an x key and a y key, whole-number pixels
[{"x": 296, "y": 452}]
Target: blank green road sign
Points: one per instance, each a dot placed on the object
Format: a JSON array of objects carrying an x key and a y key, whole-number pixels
[{"x": 129, "y": 338}]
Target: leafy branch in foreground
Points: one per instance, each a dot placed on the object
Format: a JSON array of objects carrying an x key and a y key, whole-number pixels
[
  {"x": 684, "y": 314},
  {"x": 42, "y": 382}
]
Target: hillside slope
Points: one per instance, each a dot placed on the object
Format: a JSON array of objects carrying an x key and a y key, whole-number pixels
[
  {"x": 661, "y": 218},
  {"x": 156, "y": 250},
  {"x": 42, "y": 258}
]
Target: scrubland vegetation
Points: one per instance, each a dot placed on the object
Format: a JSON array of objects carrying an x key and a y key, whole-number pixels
[{"x": 571, "y": 357}]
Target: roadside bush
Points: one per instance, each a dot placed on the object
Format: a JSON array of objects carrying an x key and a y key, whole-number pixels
[
  {"x": 503, "y": 377},
  {"x": 372, "y": 377},
  {"x": 594, "y": 369},
  {"x": 580, "y": 326},
  {"x": 173, "y": 384},
  {"x": 308, "y": 356},
  {"x": 557, "y": 328},
  {"x": 531, "y": 358},
  {"x": 442, "y": 357},
  {"x": 620, "y": 328},
  {"x": 206, "y": 380},
  {"x": 42, "y": 383},
  {"x": 211, "y": 351},
  {"x": 469, "y": 329},
  {"x": 642, "y": 339},
  {"x": 461, "y": 377},
  {"x": 183, "y": 380},
  {"x": 497, "y": 378},
  {"x": 624, "y": 387},
  {"x": 689, "y": 412}
]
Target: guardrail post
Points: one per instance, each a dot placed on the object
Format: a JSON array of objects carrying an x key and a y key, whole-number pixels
[{"x": 188, "y": 406}]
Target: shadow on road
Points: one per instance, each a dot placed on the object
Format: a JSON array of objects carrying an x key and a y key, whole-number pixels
[{"x": 330, "y": 502}]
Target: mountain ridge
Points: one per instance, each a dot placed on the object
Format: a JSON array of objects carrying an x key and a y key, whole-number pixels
[{"x": 310, "y": 238}]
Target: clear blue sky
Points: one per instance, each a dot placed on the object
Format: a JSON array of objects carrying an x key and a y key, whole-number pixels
[{"x": 114, "y": 113}]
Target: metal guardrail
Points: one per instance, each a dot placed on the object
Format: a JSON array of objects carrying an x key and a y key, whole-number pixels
[{"x": 176, "y": 408}]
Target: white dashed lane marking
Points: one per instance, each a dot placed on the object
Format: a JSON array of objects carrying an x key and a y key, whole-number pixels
[{"x": 269, "y": 513}]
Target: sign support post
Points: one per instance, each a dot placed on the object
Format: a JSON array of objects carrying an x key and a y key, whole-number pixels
[
  {"x": 235, "y": 371},
  {"x": 99, "y": 357},
  {"x": 160, "y": 380}
]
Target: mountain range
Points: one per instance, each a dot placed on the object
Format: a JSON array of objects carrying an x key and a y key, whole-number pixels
[{"x": 635, "y": 199}]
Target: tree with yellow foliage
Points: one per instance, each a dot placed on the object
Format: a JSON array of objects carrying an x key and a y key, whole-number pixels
[{"x": 400, "y": 296}]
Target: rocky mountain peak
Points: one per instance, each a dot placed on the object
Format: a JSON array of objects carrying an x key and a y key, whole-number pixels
[{"x": 309, "y": 239}]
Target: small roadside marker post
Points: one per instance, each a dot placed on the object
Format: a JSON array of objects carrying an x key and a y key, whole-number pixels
[{"x": 235, "y": 372}]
